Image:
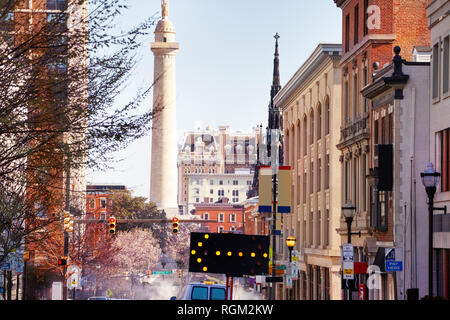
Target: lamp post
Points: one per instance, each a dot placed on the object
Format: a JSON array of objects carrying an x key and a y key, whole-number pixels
[
  {"x": 290, "y": 242},
  {"x": 430, "y": 179},
  {"x": 348, "y": 210}
]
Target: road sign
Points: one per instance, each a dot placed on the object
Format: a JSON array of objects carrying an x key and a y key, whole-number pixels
[
  {"x": 393, "y": 259},
  {"x": 347, "y": 261},
  {"x": 162, "y": 272},
  {"x": 347, "y": 252},
  {"x": 5, "y": 266}
]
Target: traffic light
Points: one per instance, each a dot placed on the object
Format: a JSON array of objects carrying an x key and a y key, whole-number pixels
[
  {"x": 174, "y": 225},
  {"x": 62, "y": 261},
  {"x": 112, "y": 225},
  {"x": 180, "y": 273},
  {"x": 68, "y": 222}
]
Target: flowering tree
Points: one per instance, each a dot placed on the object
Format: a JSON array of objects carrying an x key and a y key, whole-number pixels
[
  {"x": 137, "y": 251},
  {"x": 177, "y": 247}
]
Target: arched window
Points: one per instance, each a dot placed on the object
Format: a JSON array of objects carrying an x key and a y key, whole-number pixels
[
  {"x": 327, "y": 116},
  {"x": 305, "y": 137},
  {"x": 311, "y": 123},
  {"x": 299, "y": 150},
  {"x": 319, "y": 122}
]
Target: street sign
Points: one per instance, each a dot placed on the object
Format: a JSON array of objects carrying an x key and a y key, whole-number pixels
[
  {"x": 74, "y": 277},
  {"x": 347, "y": 261},
  {"x": 162, "y": 272},
  {"x": 393, "y": 259},
  {"x": 5, "y": 266},
  {"x": 288, "y": 281}
]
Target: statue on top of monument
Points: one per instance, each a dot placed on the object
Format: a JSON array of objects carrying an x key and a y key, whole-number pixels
[{"x": 165, "y": 8}]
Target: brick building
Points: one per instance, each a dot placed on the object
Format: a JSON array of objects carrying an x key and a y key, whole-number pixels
[
  {"x": 370, "y": 31},
  {"x": 98, "y": 199},
  {"x": 229, "y": 217}
]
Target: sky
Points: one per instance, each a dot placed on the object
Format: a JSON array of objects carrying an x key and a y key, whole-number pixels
[{"x": 224, "y": 66}]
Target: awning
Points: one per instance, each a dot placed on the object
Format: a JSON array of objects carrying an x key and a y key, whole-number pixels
[{"x": 380, "y": 259}]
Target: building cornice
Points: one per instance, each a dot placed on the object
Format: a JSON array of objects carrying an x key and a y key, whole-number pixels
[{"x": 324, "y": 52}]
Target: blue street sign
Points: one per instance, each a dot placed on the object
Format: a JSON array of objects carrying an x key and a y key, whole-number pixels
[
  {"x": 5, "y": 266},
  {"x": 394, "y": 265}
]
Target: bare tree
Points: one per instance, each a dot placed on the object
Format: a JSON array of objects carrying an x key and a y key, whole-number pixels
[{"x": 62, "y": 68}]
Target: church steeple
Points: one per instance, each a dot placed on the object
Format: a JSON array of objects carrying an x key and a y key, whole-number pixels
[
  {"x": 274, "y": 115},
  {"x": 276, "y": 70}
]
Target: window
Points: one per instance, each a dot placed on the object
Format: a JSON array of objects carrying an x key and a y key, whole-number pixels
[
  {"x": 206, "y": 216},
  {"x": 365, "y": 82},
  {"x": 445, "y": 66},
  {"x": 445, "y": 159},
  {"x": 364, "y": 186},
  {"x": 327, "y": 171},
  {"x": 91, "y": 203},
  {"x": 103, "y": 203},
  {"x": 199, "y": 293},
  {"x": 355, "y": 94},
  {"x": 319, "y": 174},
  {"x": 383, "y": 130},
  {"x": 435, "y": 63},
  {"x": 319, "y": 227},
  {"x": 311, "y": 178},
  {"x": 220, "y": 192},
  {"x": 356, "y": 25},
  {"x": 375, "y": 134},
  {"x": 319, "y": 122},
  {"x": 311, "y": 228},
  {"x": 235, "y": 182},
  {"x": 217, "y": 294},
  {"x": 233, "y": 217},
  {"x": 347, "y": 33},
  {"x": 327, "y": 117},
  {"x": 221, "y": 217},
  {"x": 346, "y": 98},
  {"x": 327, "y": 227},
  {"x": 366, "y": 16},
  {"x": 220, "y": 229},
  {"x": 211, "y": 182},
  {"x": 305, "y": 137},
  {"x": 390, "y": 129},
  {"x": 235, "y": 193},
  {"x": 311, "y": 124},
  {"x": 305, "y": 179},
  {"x": 211, "y": 191}
]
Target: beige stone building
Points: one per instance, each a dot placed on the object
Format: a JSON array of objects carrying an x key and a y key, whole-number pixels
[
  {"x": 214, "y": 153},
  {"x": 310, "y": 103}
]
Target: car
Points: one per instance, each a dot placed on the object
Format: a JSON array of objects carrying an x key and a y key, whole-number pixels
[
  {"x": 203, "y": 291},
  {"x": 99, "y": 298}
]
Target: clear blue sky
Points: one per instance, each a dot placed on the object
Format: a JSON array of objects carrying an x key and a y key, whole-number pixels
[{"x": 224, "y": 66}]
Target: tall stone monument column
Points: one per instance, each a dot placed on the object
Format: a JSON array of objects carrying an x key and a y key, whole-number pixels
[{"x": 163, "y": 187}]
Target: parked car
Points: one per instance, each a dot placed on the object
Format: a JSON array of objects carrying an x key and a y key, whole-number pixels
[{"x": 202, "y": 291}]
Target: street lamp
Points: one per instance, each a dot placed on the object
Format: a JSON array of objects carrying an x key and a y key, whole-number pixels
[
  {"x": 348, "y": 210},
  {"x": 290, "y": 242},
  {"x": 430, "y": 179}
]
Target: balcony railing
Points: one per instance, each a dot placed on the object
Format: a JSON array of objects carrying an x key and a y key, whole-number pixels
[{"x": 354, "y": 128}]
